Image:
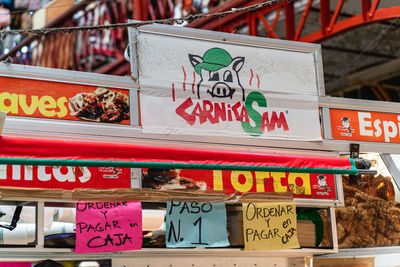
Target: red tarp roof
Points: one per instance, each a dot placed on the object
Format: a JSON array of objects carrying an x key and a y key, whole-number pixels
[{"x": 36, "y": 151}]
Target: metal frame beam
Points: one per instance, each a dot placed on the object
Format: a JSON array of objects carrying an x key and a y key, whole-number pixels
[{"x": 329, "y": 23}]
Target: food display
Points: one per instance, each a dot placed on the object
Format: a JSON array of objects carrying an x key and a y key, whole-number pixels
[
  {"x": 371, "y": 217},
  {"x": 169, "y": 179},
  {"x": 102, "y": 105}
]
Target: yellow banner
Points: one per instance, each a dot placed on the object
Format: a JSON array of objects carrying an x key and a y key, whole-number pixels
[{"x": 270, "y": 226}]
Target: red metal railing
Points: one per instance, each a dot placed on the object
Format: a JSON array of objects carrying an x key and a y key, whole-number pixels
[{"x": 88, "y": 50}]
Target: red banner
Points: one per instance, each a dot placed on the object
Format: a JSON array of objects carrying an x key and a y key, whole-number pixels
[
  {"x": 56, "y": 152},
  {"x": 65, "y": 101},
  {"x": 302, "y": 185},
  {"x": 64, "y": 177}
]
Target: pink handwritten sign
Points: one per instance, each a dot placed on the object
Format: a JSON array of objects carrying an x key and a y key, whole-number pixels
[
  {"x": 108, "y": 226},
  {"x": 15, "y": 264}
]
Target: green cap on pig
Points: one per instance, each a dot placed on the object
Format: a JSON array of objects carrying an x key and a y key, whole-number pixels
[{"x": 213, "y": 60}]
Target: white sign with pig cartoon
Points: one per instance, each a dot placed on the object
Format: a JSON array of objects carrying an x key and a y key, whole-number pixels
[{"x": 199, "y": 87}]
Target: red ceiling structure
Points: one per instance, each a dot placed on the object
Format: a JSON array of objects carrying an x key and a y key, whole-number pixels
[{"x": 285, "y": 10}]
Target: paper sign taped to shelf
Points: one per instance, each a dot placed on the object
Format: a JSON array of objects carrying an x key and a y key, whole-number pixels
[
  {"x": 196, "y": 225},
  {"x": 108, "y": 226},
  {"x": 270, "y": 226},
  {"x": 65, "y": 177}
]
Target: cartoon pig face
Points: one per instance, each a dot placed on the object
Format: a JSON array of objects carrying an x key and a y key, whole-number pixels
[{"x": 219, "y": 73}]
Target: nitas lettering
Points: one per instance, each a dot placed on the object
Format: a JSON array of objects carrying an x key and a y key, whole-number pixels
[
  {"x": 389, "y": 129},
  {"x": 98, "y": 241},
  {"x": 45, "y": 173},
  {"x": 206, "y": 111},
  {"x": 47, "y": 105}
]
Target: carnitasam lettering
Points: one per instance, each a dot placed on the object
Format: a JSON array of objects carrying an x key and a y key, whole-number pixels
[
  {"x": 20, "y": 104},
  {"x": 267, "y": 120},
  {"x": 214, "y": 113},
  {"x": 206, "y": 111}
]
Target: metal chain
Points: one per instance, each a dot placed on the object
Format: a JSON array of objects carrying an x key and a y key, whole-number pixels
[{"x": 178, "y": 21}]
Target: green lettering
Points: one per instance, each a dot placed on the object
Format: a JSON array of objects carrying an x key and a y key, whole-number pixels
[{"x": 253, "y": 114}]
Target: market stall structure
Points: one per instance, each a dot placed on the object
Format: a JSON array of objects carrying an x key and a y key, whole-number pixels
[{"x": 241, "y": 111}]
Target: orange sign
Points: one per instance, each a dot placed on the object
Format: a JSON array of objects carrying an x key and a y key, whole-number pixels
[
  {"x": 58, "y": 100},
  {"x": 365, "y": 126}
]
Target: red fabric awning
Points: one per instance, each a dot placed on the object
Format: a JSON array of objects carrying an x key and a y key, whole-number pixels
[{"x": 35, "y": 151}]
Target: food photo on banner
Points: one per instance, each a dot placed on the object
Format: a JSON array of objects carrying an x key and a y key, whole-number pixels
[
  {"x": 64, "y": 101},
  {"x": 301, "y": 185}
]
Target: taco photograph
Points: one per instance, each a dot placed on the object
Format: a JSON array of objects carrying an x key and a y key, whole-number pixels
[{"x": 103, "y": 105}]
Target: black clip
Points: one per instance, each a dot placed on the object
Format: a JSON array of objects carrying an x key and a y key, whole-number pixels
[
  {"x": 14, "y": 220},
  {"x": 354, "y": 154}
]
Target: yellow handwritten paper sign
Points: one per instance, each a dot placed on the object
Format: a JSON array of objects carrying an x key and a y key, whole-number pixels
[{"x": 270, "y": 226}]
